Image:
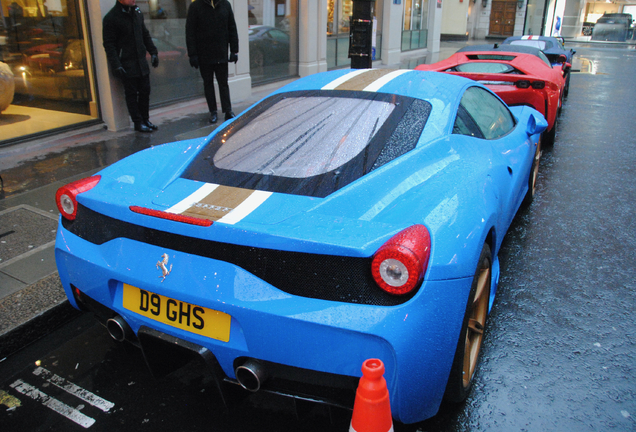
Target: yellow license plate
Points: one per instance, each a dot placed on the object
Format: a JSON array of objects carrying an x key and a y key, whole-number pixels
[{"x": 179, "y": 314}]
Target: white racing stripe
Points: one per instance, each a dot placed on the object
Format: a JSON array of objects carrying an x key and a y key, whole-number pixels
[
  {"x": 346, "y": 77},
  {"x": 377, "y": 84},
  {"x": 52, "y": 403},
  {"x": 193, "y": 198},
  {"x": 74, "y": 389},
  {"x": 246, "y": 207}
]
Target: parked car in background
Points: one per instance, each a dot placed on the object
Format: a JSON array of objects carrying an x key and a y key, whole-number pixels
[
  {"x": 55, "y": 71},
  {"x": 552, "y": 47},
  {"x": 268, "y": 46},
  {"x": 350, "y": 215},
  {"x": 520, "y": 75},
  {"x": 617, "y": 27}
]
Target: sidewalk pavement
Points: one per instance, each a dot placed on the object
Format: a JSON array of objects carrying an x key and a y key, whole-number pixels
[{"x": 32, "y": 301}]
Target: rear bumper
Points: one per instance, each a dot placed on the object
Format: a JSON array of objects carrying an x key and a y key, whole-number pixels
[{"x": 415, "y": 340}]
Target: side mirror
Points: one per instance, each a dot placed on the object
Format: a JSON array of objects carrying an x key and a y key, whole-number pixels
[
  {"x": 536, "y": 124},
  {"x": 567, "y": 67}
]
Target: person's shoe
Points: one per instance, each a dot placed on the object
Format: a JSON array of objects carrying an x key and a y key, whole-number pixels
[
  {"x": 140, "y": 127},
  {"x": 150, "y": 125},
  {"x": 214, "y": 117},
  {"x": 229, "y": 115}
]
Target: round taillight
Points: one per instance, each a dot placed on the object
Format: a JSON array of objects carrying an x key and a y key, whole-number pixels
[
  {"x": 394, "y": 272},
  {"x": 399, "y": 265},
  {"x": 523, "y": 84},
  {"x": 67, "y": 204},
  {"x": 66, "y": 196}
]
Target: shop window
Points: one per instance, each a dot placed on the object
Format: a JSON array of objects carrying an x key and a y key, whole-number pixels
[
  {"x": 338, "y": 19},
  {"x": 273, "y": 39},
  {"x": 415, "y": 33},
  {"x": 46, "y": 66},
  {"x": 174, "y": 79}
]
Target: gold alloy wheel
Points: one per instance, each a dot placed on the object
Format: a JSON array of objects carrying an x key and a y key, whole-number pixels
[
  {"x": 535, "y": 168},
  {"x": 476, "y": 323}
]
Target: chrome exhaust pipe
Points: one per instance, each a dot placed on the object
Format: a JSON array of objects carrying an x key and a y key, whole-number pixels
[
  {"x": 118, "y": 328},
  {"x": 251, "y": 375}
]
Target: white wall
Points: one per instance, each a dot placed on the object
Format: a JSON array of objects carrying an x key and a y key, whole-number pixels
[
  {"x": 483, "y": 20},
  {"x": 455, "y": 17},
  {"x": 391, "y": 32},
  {"x": 434, "y": 25},
  {"x": 312, "y": 35},
  {"x": 239, "y": 78}
]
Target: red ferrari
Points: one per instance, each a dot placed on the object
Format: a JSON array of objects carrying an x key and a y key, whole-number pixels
[{"x": 520, "y": 75}]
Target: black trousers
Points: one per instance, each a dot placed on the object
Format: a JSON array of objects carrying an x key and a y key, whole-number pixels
[
  {"x": 208, "y": 71},
  {"x": 137, "y": 92}
]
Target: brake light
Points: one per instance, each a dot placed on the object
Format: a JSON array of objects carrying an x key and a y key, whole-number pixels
[
  {"x": 399, "y": 265},
  {"x": 522, "y": 84},
  {"x": 171, "y": 216},
  {"x": 66, "y": 196},
  {"x": 538, "y": 84}
]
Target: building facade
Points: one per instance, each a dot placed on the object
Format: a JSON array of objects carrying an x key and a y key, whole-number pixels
[
  {"x": 61, "y": 78},
  {"x": 478, "y": 19}
]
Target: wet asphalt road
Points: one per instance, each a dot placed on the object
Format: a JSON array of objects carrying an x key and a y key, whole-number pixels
[{"x": 560, "y": 348}]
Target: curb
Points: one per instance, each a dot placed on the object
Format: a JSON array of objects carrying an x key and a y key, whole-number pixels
[{"x": 32, "y": 313}]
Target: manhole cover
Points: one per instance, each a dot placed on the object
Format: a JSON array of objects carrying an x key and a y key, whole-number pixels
[{"x": 23, "y": 229}]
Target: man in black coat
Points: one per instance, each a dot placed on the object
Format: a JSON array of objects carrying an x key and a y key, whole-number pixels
[
  {"x": 126, "y": 40},
  {"x": 210, "y": 30}
]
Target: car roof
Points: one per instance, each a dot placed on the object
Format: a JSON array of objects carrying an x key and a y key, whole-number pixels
[
  {"x": 506, "y": 48},
  {"x": 553, "y": 46},
  {"x": 425, "y": 85},
  {"x": 550, "y": 42},
  {"x": 530, "y": 37}
]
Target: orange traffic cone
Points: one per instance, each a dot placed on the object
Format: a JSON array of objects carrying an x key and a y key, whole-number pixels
[{"x": 372, "y": 408}]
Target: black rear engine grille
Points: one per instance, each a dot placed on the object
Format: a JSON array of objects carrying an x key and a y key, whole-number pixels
[{"x": 326, "y": 277}]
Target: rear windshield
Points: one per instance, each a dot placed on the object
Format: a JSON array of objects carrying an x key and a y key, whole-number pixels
[
  {"x": 311, "y": 142},
  {"x": 533, "y": 43},
  {"x": 479, "y": 67}
]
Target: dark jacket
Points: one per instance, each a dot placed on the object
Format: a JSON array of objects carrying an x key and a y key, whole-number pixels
[
  {"x": 126, "y": 40},
  {"x": 210, "y": 29}
]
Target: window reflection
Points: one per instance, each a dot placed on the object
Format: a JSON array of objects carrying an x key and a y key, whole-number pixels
[
  {"x": 273, "y": 39},
  {"x": 174, "y": 79},
  {"x": 414, "y": 33}
]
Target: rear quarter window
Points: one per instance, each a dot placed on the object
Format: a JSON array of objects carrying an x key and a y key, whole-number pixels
[{"x": 483, "y": 115}]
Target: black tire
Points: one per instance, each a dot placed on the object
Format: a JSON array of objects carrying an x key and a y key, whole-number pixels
[
  {"x": 471, "y": 336},
  {"x": 566, "y": 90},
  {"x": 532, "y": 179},
  {"x": 549, "y": 137}
]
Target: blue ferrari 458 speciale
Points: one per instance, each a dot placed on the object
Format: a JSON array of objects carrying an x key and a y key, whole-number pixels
[{"x": 352, "y": 214}]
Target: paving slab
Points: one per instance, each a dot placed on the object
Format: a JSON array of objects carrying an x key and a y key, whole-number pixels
[{"x": 24, "y": 228}]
